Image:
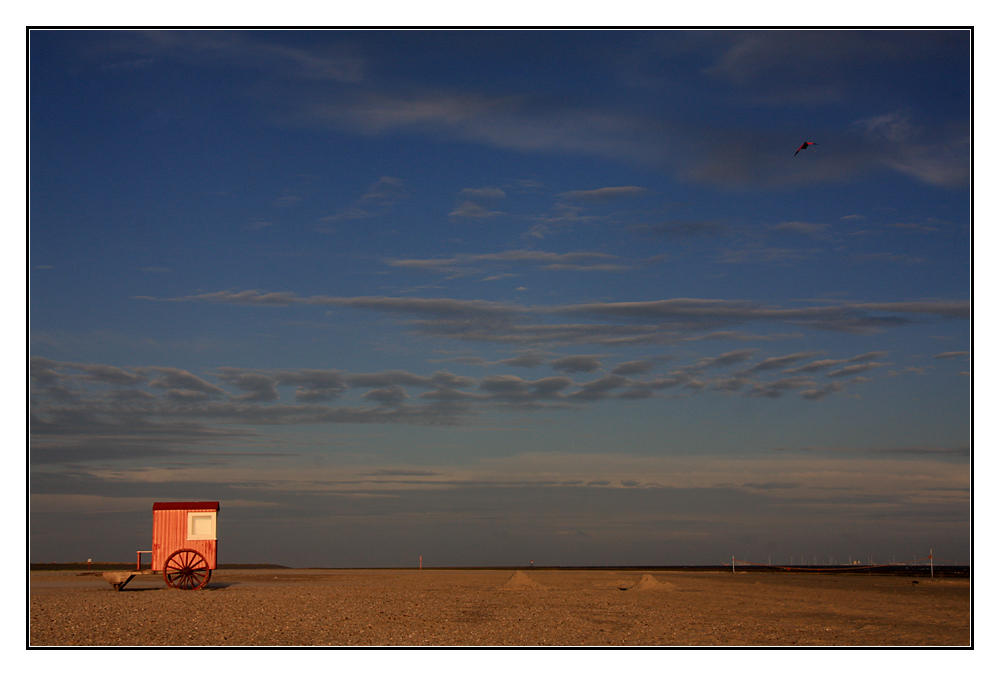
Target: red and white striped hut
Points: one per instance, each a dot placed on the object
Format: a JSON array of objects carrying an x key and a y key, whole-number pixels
[{"x": 184, "y": 542}]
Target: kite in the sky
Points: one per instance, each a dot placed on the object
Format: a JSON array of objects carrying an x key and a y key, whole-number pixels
[{"x": 803, "y": 147}]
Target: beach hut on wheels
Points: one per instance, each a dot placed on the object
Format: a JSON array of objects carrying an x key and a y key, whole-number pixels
[
  {"x": 184, "y": 545},
  {"x": 184, "y": 542}
]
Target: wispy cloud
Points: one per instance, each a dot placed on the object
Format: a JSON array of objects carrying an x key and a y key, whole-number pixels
[
  {"x": 815, "y": 230},
  {"x": 636, "y": 367},
  {"x": 815, "y": 394},
  {"x": 533, "y": 123},
  {"x": 727, "y": 359},
  {"x": 380, "y": 198},
  {"x": 728, "y": 157},
  {"x": 92, "y": 411},
  {"x": 664, "y": 321},
  {"x": 902, "y": 146},
  {"x": 579, "y": 363},
  {"x": 612, "y": 194},
  {"x": 682, "y": 229},
  {"x": 697, "y": 506},
  {"x": 824, "y": 364},
  {"x": 238, "y": 48},
  {"x": 526, "y": 359},
  {"x": 512, "y": 122},
  {"x": 465, "y": 264},
  {"x": 477, "y": 204},
  {"x": 755, "y": 252},
  {"x": 776, "y": 388},
  {"x": 854, "y": 369},
  {"x": 776, "y": 363}
]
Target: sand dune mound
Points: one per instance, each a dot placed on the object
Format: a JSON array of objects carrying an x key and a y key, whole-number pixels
[
  {"x": 648, "y": 583},
  {"x": 521, "y": 581}
]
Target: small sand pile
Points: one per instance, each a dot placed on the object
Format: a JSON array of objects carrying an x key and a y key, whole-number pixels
[
  {"x": 521, "y": 581},
  {"x": 646, "y": 583}
]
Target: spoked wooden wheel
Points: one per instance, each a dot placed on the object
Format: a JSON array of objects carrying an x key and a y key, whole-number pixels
[{"x": 186, "y": 569}]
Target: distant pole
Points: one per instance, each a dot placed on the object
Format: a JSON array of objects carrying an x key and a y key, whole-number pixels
[
  {"x": 421, "y": 563},
  {"x": 734, "y": 565},
  {"x": 932, "y": 563}
]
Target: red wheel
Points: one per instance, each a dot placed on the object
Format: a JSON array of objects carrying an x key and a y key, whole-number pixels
[{"x": 186, "y": 569}]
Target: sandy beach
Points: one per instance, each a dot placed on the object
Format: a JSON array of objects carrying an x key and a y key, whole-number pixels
[{"x": 291, "y": 607}]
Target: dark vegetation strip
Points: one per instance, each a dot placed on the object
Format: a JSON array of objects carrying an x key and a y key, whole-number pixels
[{"x": 901, "y": 570}]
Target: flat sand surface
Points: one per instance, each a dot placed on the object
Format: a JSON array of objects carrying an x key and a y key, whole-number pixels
[{"x": 500, "y": 608}]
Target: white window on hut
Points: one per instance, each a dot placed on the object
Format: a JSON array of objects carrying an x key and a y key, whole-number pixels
[{"x": 201, "y": 526}]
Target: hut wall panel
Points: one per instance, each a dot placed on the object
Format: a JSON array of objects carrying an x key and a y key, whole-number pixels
[{"x": 170, "y": 534}]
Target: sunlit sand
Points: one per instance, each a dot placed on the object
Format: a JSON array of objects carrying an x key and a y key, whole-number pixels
[{"x": 502, "y": 607}]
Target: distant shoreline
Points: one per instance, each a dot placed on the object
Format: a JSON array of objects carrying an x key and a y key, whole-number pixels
[{"x": 910, "y": 570}]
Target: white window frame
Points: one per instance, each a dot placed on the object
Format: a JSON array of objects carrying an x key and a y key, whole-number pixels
[{"x": 191, "y": 534}]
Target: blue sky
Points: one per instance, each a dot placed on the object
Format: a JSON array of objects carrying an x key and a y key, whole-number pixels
[{"x": 490, "y": 297}]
